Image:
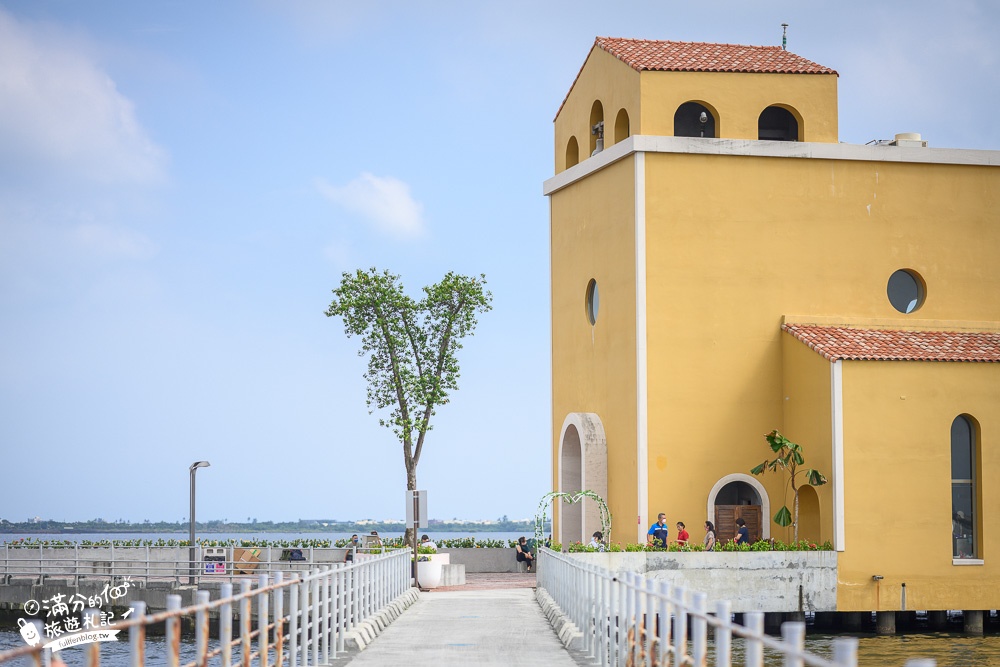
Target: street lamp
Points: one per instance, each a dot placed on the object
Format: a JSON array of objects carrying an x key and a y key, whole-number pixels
[{"x": 194, "y": 468}]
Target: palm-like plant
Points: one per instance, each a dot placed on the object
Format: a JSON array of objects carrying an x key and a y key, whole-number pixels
[{"x": 788, "y": 458}]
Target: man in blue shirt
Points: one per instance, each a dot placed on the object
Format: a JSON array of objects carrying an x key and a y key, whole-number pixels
[{"x": 657, "y": 535}]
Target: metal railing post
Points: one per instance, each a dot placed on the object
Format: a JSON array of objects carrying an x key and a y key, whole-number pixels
[
  {"x": 245, "y": 585},
  {"x": 723, "y": 633},
  {"x": 699, "y": 628},
  {"x": 226, "y": 624},
  {"x": 681, "y": 598},
  {"x": 754, "y": 652},
  {"x": 279, "y": 618},
  {"x": 794, "y": 634},
  {"x": 262, "y": 618},
  {"x": 173, "y": 632},
  {"x": 293, "y": 625},
  {"x": 314, "y": 610},
  {"x": 137, "y": 636},
  {"x": 304, "y": 587},
  {"x": 845, "y": 652},
  {"x": 201, "y": 629}
]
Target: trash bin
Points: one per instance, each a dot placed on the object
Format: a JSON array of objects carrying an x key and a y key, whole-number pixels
[{"x": 215, "y": 560}]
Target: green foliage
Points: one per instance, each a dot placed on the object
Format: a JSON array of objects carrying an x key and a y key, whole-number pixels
[
  {"x": 411, "y": 346},
  {"x": 788, "y": 458}
]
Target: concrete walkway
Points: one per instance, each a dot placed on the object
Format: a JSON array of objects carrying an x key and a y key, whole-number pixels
[{"x": 479, "y": 627}]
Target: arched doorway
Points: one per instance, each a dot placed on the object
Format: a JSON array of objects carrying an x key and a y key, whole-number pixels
[
  {"x": 739, "y": 496},
  {"x": 809, "y": 518},
  {"x": 583, "y": 466}
]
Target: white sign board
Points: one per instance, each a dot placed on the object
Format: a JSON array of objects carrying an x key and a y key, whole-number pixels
[{"x": 416, "y": 509}]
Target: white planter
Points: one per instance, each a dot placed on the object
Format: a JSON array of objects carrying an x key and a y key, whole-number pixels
[{"x": 429, "y": 571}]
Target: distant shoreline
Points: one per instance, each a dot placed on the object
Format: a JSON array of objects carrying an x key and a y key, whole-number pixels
[{"x": 69, "y": 528}]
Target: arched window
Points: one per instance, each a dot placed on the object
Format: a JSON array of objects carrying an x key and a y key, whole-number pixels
[
  {"x": 964, "y": 494},
  {"x": 694, "y": 120},
  {"x": 621, "y": 126},
  {"x": 777, "y": 124},
  {"x": 596, "y": 128},
  {"x": 572, "y": 153}
]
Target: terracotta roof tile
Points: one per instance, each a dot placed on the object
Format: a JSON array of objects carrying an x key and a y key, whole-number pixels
[
  {"x": 657, "y": 55},
  {"x": 660, "y": 55},
  {"x": 835, "y": 343}
]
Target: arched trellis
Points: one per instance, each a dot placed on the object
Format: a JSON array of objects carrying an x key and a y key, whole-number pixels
[{"x": 543, "y": 508}]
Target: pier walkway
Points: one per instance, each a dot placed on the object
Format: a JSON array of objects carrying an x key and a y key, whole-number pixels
[{"x": 488, "y": 626}]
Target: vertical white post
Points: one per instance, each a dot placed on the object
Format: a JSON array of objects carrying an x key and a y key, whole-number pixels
[
  {"x": 754, "y": 653},
  {"x": 137, "y": 637},
  {"x": 845, "y": 652},
  {"x": 201, "y": 598},
  {"x": 263, "y": 615},
  {"x": 173, "y": 631},
  {"x": 226, "y": 624},
  {"x": 293, "y": 625},
  {"x": 699, "y": 629},
  {"x": 723, "y": 633},
  {"x": 794, "y": 636}
]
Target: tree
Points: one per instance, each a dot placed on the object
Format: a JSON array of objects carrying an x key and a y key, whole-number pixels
[
  {"x": 411, "y": 346},
  {"x": 788, "y": 458}
]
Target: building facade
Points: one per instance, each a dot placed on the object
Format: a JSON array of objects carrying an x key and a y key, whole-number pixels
[{"x": 723, "y": 267}]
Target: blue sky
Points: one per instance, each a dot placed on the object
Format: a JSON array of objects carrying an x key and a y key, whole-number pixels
[{"x": 182, "y": 184}]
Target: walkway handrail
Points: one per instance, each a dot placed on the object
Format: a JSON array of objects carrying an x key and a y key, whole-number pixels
[
  {"x": 322, "y": 607},
  {"x": 626, "y": 619},
  {"x": 151, "y": 563}
]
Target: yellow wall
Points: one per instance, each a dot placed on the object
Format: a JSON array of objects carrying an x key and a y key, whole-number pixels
[
  {"x": 593, "y": 367},
  {"x": 737, "y": 100},
  {"x": 897, "y": 458},
  {"x": 615, "y": 85},
  {"x": 805, "y": 397},
  {"x": 733, "y": 245}
]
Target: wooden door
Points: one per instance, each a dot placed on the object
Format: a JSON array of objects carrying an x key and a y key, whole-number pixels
[{"x": 725, "y": 521}]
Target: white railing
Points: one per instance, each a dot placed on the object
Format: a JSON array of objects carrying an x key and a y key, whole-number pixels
[
  {"x": 630, "y": 619},
  {"x": 154, "y": 563},
  {"x": 300, "y": 622}
]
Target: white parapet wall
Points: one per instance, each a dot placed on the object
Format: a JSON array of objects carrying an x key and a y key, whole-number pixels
[{"x": 770, "y": 581}]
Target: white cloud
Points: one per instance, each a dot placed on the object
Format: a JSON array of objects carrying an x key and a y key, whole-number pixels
[
  {"x": 62, "y": 115},
  {"x": 384, "y": 201}
]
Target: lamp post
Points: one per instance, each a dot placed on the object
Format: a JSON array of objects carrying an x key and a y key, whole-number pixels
[{"x": 194, "y": 468}]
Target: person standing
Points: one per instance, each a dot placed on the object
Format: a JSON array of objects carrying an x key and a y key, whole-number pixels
[
  {"x": 597, "y": 541},
  {"x": 682, "y": 534},
  {"x": 709, "y": 536},
  {"x": 742, "y": 533},
  {"x": 658, "y": 532},
  {"x": 352, "y": 546}
]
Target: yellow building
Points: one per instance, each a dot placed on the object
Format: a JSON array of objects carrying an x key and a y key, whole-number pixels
[{"x": 722, "y": 267}]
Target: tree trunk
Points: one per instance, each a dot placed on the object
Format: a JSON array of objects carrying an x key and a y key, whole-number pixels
[{"x": 411, "y": 485}]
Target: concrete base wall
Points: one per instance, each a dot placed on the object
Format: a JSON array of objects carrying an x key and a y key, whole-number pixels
[{"x": 769, "y": 581}]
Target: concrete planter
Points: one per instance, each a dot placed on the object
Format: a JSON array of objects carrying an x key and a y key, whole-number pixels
[
  {"x": 429, "y": 571},
  {"x": 782, "y": 581}
]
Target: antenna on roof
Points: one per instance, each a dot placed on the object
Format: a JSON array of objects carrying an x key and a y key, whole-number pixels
[{"x": 784, "y": 36}]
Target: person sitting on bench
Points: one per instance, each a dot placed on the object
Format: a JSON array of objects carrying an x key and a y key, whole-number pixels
[{"x": 524, "y": 552}]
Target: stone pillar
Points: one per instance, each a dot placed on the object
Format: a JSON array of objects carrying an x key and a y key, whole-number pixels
[
  {"x": 772, "y": 622},
  {"x": 885, "y": 622},
  {"x": 937, "y": 621},
  {"x": 826, "y": 620},
  {"x": 972, "y": 622},
  {"x": 852, "y": 621}
]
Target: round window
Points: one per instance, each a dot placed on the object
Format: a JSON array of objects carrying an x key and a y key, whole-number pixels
[
  {"x": 905, "y": 290},
  {"x": 593, "y": 301}
]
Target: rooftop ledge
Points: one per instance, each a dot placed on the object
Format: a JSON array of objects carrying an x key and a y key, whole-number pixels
[{"x": 640, "y": 143}]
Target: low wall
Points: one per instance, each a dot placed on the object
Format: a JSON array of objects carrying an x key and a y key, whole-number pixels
[
  {"x": 779, "y": 581},
  {"x": 484, "y": 560}
]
